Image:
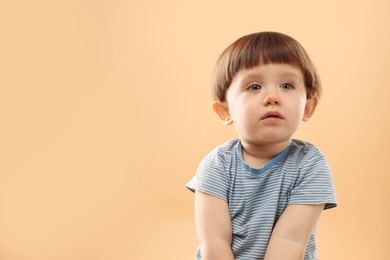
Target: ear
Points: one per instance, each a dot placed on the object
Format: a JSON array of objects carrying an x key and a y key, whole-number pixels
[
  {"x": 222, "y": 111},
  {"x": 311, "y": 104}
]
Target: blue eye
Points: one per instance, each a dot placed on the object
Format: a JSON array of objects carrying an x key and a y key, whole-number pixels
[
  {"x": 255, "y": 87},
  {"x": 286, "y": 86}
]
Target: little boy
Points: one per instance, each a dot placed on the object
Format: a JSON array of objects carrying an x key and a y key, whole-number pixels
[{"x": 260, "y": 196}]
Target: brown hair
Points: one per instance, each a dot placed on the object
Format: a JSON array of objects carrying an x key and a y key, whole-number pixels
[{"x": 263, "y": 48}]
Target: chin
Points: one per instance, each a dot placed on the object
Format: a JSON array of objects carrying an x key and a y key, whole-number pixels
[
  {"x": 268, "y": 137},
  {"x": 267, "y": 140}
]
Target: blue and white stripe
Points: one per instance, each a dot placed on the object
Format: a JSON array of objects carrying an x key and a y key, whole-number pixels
[{"x": 258, "y": 197}]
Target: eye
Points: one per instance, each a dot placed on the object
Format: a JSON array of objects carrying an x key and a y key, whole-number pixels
[
  {"x": 255, "y": 87},
  {"x": 286, "y": 85}
]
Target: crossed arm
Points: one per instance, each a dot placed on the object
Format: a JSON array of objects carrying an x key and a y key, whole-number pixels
[{"x": 288, "y": 240}]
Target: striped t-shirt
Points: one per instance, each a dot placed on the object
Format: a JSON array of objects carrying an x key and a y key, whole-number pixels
[{"x": 258, "y": 197}]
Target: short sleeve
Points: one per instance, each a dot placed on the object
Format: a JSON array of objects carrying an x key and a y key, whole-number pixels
[
  {"x": 211, "y": 177},
  {"x": 315, "y": 183}
]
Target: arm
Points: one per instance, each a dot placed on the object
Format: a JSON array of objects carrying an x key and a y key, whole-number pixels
[
  {"x": 213, "y": 226},
  {"x": 291, "y": 234}
]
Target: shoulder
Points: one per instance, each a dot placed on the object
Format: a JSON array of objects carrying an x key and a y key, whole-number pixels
[
  {"x": 308, "y": 159},
  {"x": 304, "y": 150},
  {"x": 228, "y": 147},
  {"x": 223, "y": 152},
  {"x": 218, "y": 160},
  {"x": 304, "y": 153},
  {"x": 314, "y": 184},
  {"x": 212, "y": 176}
]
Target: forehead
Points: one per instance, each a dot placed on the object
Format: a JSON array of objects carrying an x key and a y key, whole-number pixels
[{"x": 268, "y": 70}]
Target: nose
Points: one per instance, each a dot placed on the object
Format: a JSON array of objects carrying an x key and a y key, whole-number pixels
[{"x": 271, "y": 98}]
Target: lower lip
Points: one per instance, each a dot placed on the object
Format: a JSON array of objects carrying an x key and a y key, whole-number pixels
[{"x": 272, "y": 119}]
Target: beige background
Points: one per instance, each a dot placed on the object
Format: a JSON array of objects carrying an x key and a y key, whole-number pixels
[{"x": 105, "y": 115}]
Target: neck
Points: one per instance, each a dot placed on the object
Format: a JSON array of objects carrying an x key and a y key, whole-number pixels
[{"x": 256, "y": 155}]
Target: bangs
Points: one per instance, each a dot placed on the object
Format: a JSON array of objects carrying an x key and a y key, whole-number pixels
[{"x": 258, "y": 50}]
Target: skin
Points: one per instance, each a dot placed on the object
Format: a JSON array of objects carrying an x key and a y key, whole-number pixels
[{"x": 266, "y": 104}]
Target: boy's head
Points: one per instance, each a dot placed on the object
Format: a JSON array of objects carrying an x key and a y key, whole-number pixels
[{"x": 263, "y": 48}]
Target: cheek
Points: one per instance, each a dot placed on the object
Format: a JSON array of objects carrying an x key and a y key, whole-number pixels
[
  {"x": 300, "y": 104},
  {"x": 241, "y": 111},
  {"x": 245, "y": 120},
  {"x": 301, "y": 110},
  {"x": 300, "y": 114}
]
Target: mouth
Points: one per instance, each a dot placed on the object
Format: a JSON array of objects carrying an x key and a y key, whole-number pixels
[{"x": 272, "y": 114}]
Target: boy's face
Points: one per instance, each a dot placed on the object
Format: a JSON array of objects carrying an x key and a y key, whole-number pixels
[{"x": 267, "y": 103}]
